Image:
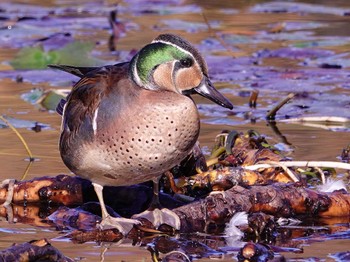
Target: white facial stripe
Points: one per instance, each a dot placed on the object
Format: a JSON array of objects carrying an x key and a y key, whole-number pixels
[
  {"x": 176, "y": 46},
  {"x": 135, "y": 73},
  {"x": 94, "y": 122},
  {"x": 173, "y": 76}
]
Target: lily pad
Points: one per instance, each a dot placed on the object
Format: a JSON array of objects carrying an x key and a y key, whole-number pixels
[
  {"x": 295, "y": 53},
  {"x": 18, "y": 35},
  {"x": 324, "y": 41},
  {"x": 34, "y": 58},
  {"x": 300, "y": 25},
  {"x": 140, "y": 7},
  {"x": 75, "y": 53},
  {"x": 294, "y": 7},
  {"x": 54, "y": 77},
  {"x": 336, "y": 61},
  {"x": 21, "y": 123},
  {"x": 46, "y": 99}
]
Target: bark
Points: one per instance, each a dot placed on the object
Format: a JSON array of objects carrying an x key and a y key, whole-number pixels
[
  {"x": 280, "y": 200},
  {"x": 36, "y": 250},
  {"x": 62, "y": 189}
]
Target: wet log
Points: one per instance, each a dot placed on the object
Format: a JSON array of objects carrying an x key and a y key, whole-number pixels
[
  {"x": 35, "y": 250},
  {"x": 107, "y": 235},
  {"x": 73, "y": 191},
  {"x": 27, "y": 214},
  {"x": 280, "y": 200},
  {"x": 62, "y": 189},
  {"x": 255, "y": 252}
]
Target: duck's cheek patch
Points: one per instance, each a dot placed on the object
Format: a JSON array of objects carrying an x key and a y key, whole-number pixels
[
  {"x": 188, "y": 78},
  {"x": 162, "y": 76}
]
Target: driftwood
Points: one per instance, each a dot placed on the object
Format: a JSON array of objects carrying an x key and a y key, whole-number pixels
[
  {"x": 62, "y": 189},
  {"x": 36, "y": 250},
  {"x": 280, "y": 200}
]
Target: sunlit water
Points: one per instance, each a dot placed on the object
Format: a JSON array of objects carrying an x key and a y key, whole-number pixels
[{"x": 307, "y": 143}]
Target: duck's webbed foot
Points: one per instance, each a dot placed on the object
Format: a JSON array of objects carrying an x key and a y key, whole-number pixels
[
  {"x": 161, "y": 216},
  {"x": 124, "y": 225}
]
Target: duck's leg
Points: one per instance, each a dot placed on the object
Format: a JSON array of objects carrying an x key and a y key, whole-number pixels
[
  {"x": 124, "y": 225},
  {"x": 158, "y": 215}
]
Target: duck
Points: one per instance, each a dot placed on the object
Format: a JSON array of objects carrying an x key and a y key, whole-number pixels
[{"x": 130, "y": 122}]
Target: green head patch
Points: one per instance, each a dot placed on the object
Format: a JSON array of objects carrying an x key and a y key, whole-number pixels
[{"x": 155, "y": 54}]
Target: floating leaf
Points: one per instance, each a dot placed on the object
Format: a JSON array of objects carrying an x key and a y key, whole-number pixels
[
  {"x": 300, "y": 25},
  {"x": 20, "y": 123},
  {"x": 295, "y": 53},
  {"x": 324, "y": 41},
  {"x": 34, "y": 58},
  {"x": 336, "y": 61},
  {"x": 33, "y": 95},
  {"x": 75, "y": 53},
  {"x": 47, "y": 99},
  {"x": 288, "y": 7},
  {"x": 51, "y": 99}
]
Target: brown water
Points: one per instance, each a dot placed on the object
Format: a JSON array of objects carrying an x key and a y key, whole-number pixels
[{"x": 308, "y": 143}]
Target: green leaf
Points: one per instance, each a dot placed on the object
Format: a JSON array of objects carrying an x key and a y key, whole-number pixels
[
  {"x": 32, "y": 58},
  {"x": 76, "y": 53}
]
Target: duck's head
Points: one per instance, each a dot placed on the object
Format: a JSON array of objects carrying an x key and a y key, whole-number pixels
[{"x": 171, "y": 63}]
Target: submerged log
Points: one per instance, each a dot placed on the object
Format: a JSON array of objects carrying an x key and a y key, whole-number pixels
[
  {"x": 35, "y": 250},
  {"x": 280, "y": 200},
  {"x": 214, "y": 211},
  {"x": 62, "y": 189},
  {"x": 255, "y": 252}
]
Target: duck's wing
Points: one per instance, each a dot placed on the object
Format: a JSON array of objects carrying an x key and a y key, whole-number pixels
[
  {"x": 80, "y": 110},
  {"x": 74, "y": 70},
  {"x": 79, "y": 72}
]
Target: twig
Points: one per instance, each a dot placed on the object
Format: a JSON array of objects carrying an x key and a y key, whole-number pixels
[
  {"x": 31, "y": 157},
  {"x": 323, "y": 122},
  {"x": 332, "y": 119},
  {"x": 285, "y": 168},
  {"x": 10, "y": 190},
  {"x": 27, "y": 170},
  {"x": 212, "y": 161},
  {"x": 330, "y": 164},
  {"x": 272, "y": 113},
  {"x": 323, "y": 177},
  {"x": 253, "y": 98}
]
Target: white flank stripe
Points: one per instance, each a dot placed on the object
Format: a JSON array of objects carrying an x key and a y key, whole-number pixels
[
  {"x": 94, "y": 122},
  {"x": 63, "y": 116}
]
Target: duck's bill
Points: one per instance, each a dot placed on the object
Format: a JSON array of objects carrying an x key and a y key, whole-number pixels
[{"x": 207, "y": 90}]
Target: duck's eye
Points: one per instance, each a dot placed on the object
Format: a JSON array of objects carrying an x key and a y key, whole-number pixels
[{"x": 187, "y": 62}]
